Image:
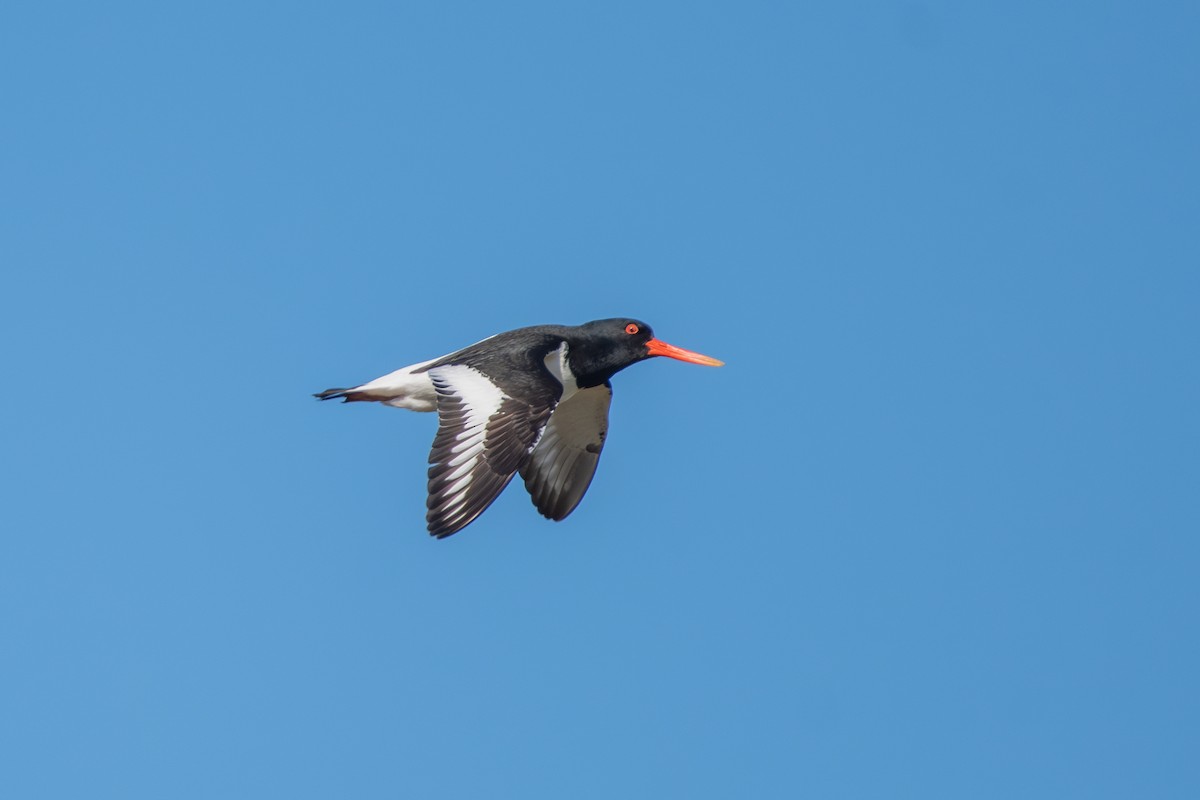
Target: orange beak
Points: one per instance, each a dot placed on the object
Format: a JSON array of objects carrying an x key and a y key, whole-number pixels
[{"x": 657, "y": 347}]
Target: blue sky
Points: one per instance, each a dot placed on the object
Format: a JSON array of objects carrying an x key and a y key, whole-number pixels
[{"x": 931, "y": 533}]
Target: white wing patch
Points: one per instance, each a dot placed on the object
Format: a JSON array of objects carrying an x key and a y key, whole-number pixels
[
  {"x": 483, "y": 437},
  {"x": 562, "y": 465}
]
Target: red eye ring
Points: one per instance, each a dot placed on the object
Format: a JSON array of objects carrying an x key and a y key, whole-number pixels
[{"x": 631, "y": 329}]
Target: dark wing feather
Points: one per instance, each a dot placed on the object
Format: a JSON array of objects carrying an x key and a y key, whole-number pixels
[
  {"x": 560, "y": 469},
  {"x": 483, "y": 438}
]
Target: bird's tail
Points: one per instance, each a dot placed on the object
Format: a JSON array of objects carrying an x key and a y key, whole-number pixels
[{"x": 347, "y": 395}]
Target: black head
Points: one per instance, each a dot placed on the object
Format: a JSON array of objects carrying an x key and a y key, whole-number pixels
[{"x": 602, "y": 348}]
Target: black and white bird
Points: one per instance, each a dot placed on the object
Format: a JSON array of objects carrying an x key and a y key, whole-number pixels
[{"x": 532, "y": 400}]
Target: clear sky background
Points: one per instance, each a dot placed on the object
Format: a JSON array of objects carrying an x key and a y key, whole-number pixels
[{"x": 931, "y": 533}]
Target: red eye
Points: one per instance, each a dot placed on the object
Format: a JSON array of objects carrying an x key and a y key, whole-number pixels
[{"x": 631, "y": 329}]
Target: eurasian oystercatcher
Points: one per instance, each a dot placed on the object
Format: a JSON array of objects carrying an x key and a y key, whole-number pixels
[{"x": 531, "y": 400}]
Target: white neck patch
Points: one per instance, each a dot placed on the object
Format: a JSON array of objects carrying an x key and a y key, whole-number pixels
[{"x": 556, "y": 362}]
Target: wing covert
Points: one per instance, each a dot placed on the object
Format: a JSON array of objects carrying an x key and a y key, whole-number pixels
[
  {"x": 483, "y": 438},
  {"x": 560, "y": 468}
]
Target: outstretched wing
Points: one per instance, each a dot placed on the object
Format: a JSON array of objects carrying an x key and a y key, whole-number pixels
[
  {"x": 483, "y": 438},
  {"x": 560, "y": 469}
]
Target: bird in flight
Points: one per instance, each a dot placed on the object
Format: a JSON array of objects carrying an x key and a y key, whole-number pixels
[{"x": 532, "y": 400}]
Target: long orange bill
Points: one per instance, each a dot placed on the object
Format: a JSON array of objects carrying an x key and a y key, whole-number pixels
[{"x": 661, "y": 348}]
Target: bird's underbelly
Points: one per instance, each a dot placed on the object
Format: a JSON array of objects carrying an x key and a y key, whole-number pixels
[
  {"x": 417, "y": 401},
  {"x": 404, "y": 388}
]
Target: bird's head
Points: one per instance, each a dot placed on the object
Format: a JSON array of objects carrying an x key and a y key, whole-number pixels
[{"x": 607, "y": 346}]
